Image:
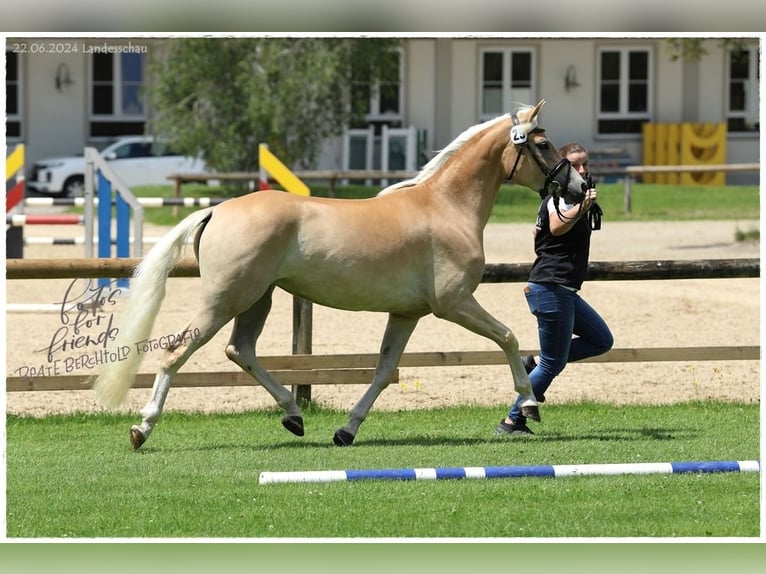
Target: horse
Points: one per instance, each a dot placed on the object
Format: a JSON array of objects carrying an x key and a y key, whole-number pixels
[{"x": 413, "y": 249}]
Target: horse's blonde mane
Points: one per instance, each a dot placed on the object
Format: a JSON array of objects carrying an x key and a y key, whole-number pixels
[{"x": 441, "y": 158}]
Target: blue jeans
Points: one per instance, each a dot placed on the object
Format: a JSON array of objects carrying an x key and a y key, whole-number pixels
[{"x": 569, "y": 330}]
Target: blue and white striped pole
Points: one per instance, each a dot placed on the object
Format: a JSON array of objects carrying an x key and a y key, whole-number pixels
[{"x": 551, "y": 471}]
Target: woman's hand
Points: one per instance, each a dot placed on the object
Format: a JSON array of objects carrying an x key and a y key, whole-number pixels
[
  {"x": 560, "y": 224},
  {"x": 590, "y": 198}
]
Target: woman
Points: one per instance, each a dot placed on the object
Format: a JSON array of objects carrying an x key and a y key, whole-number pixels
[{"x": 569, "y": 329}]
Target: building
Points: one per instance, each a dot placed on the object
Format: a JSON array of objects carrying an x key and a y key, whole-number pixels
[{"x": 67, "y": 93}]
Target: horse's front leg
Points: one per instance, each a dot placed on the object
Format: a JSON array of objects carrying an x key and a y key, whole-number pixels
[
  {"x": 397, "y": 334},
  {"x": 471, "y": 315}
]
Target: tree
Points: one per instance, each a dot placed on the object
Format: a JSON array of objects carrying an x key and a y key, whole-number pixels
[
  {"x": 693, "y": 49},
  {"x": 221, "y": 97}
]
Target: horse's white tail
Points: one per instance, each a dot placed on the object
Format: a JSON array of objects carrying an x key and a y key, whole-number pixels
[{"x": 146, "y": 294}]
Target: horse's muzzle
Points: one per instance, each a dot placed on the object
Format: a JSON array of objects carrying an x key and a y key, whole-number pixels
[
  {"x": 559, "y": 183},
  {"x": 576, "y": 197}
]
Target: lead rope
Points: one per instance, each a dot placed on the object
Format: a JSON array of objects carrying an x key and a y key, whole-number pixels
[
  {"x": 594, "y": 216},
  {"x": 594, "y": 213}
]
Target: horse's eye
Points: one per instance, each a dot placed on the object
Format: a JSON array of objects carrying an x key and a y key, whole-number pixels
[{"x": 543, "y": 144}]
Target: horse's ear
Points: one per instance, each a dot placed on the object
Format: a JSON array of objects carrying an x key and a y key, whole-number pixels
[{"x": 536, "y": 109}]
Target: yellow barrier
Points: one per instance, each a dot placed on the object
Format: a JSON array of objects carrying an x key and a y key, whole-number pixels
[
  {"x": 280, "y": 172},
  {"x": 14, "y": 162},
  {"x": 14, "y": 194},
  {"x": 703, "y": 144},
  {"x": 685, "y": 144}
]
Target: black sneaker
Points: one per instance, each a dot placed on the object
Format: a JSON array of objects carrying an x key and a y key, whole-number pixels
[{"x": 515, "y": 429}]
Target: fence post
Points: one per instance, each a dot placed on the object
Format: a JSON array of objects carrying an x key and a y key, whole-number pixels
[
  {"x": 627, "y": 183},
  {"x": 89, "y": 192},
  {"x": 125, "y": 201},
  {"x": 104, "y": 221},
  {"x": 302, "y": 310},
  {"x": 302, "y": 339},
  {"x": 123, "y": 234}
]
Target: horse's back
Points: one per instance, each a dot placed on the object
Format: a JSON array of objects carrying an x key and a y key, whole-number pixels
[{"x": 349, "y": 254}]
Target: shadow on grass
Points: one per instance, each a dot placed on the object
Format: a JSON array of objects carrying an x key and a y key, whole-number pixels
[{"x": 602, "y": 435}]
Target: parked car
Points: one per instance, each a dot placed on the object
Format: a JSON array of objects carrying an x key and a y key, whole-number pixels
[{"x": 136, "y": 160}]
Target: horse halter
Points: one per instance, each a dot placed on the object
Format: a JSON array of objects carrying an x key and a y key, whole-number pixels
[{"x": 559, "y": 175}]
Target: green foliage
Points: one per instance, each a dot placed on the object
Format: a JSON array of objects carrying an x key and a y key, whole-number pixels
[
  {"x": 693, "y": 49},
  {"x": 221, "y": 97},
  {"x": 749, "y": 235},
  {"x": 75, "y": 476}
]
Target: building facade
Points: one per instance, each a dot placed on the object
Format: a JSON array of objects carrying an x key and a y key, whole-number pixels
[{"x": 63, "y": 94}]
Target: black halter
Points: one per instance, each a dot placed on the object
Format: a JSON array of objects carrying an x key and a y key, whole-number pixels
[
  {"x": 520, "y": 139},
  {"x": 559, "y": 175}
]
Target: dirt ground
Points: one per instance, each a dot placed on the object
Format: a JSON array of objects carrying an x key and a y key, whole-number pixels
[{"x": 641, "y": 314}]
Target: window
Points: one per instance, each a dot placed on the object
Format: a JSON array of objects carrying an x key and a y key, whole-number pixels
[
  {"x": 116, "y": 94},
  {"x": 624, "y": 78},
  {"x": 12, "y": 96},
  {"x": 507, "y": 79},
  {"x": 743, "y": 78},
  {"x": 133, "y": 150},
  {"x": 380, "y": 102}
]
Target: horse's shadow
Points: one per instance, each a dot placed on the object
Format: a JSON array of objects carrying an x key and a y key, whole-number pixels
[{"x": 605, "y": 435}]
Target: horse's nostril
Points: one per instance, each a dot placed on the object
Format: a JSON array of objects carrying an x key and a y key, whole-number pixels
[{"x": 584, "y": 186}]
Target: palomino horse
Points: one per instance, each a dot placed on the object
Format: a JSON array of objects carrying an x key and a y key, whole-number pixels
[{"x": 414, "y": 249}]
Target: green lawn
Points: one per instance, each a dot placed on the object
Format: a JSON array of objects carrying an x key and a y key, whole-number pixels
[{"x": 75, "y": 476}]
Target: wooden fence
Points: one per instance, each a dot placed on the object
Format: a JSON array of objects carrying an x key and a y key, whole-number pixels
[
  {"x": 493, "y": 272},
  {"x": 304, "y": 369}
]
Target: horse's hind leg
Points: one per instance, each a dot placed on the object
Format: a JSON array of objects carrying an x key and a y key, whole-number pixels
[
  {"x": 199, "y": 331},
  {"x": 471, "y": 315},
  {"x": 398, "y": 332},
  {"x": 241, "y": 349}
]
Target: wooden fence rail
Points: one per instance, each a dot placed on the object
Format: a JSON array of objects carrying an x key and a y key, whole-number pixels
[
  {"x": 302, "y": 370},
  {"x": 493, "y": 272}
]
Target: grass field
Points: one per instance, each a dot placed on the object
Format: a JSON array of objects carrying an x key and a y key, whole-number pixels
[{"x": 75, "y": 476}]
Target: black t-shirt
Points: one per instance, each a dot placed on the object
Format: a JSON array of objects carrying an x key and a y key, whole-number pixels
[{"x": 562, "y": 259}]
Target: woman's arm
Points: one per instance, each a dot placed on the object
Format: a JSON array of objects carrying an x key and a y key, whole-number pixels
[{"x": 560, "y": 224}]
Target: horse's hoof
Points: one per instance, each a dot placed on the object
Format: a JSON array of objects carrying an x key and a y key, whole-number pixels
[
  {"x": 294, "y": 424},
  {"x": 343, "y": 438},
  {"x": 137, "y": 438},
  {"x": 531, "y": 412}
]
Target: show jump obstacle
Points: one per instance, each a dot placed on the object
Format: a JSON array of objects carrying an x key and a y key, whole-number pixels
[
  {"x": 545, "y": 471},
  {"x": 14, "y": 195},
  {"x": 125, "y": 201}
]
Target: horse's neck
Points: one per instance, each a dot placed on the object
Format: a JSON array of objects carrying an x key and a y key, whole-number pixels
[{"x": 472, "y": 177}]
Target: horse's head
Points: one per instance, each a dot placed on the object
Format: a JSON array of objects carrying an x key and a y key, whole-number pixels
[{"x": 548, "y": 170}]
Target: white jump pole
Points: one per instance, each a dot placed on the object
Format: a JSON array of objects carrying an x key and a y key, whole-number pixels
[{"x": 550, "y": 471}]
